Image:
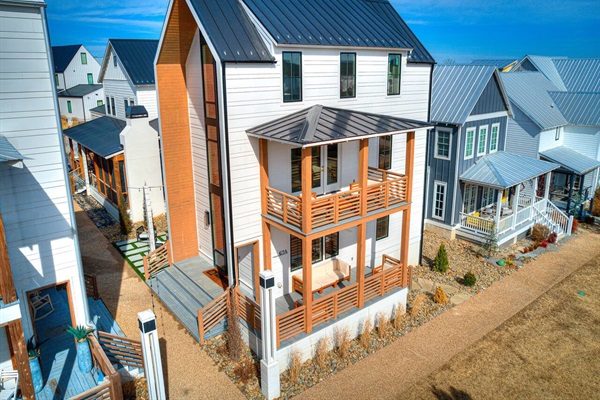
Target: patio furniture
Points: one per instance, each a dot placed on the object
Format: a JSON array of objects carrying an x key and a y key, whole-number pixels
[
  {"x": 324, "y": 275},
  {"x": 7, "y": 375},
  {"x": 38, "y": 302},
  {"x": 387, "y": 262}
]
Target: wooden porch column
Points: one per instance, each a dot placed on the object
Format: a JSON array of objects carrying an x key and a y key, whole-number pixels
[
  {"x": 263, "y": 159},
  {"x": 361, "y": 230},
  {"x": 306, "y": 190},
  {"x": 363, "y": 174},
  {"x": 14, "y": 328},
  {"x": 408, "y": 171},
  {"x": 572, "y": 181},
  {"x": 307, "y": 296},
  {"x": 547, "y": 185},
  {"x": 516, "y": 206},
  {"x": 117, "y": 174}
]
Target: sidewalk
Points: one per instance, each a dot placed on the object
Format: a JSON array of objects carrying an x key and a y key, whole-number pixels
[
  {"x": 389, "y": 372},
  {"x": 189, "y": 372}
]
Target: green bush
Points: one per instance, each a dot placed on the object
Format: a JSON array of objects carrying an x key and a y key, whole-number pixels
[
  {"x": 469, "y": 279},
  {"x": 441, "y": 264}
]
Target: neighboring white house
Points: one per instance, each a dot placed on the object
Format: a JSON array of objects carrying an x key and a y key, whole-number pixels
[
  {"x": 77, "y": 102},
  {"x": 127, "y": 74},
  {"x": 39, "y": 247},
  {"x": 74, "y": 65}
]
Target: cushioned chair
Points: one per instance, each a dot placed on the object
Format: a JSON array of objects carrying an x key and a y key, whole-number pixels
[{"x": 7, "y": 375}]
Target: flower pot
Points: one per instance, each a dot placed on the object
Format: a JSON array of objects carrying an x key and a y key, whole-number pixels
[
  {"x": 84, "y": 356},
  {"x": 36, "y": 374}
]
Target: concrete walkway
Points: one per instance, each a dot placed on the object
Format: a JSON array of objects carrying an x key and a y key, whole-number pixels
[
  {"x": 389, "y": 372},
  {"x": 189, "y": 372}
]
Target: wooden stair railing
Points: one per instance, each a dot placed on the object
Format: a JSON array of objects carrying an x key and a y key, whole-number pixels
[
  {"x": 212, "y": 314},
  {"x": 157, "y": 260},
  {"x": 248, "y": 310},
  {"x": 122, "y": 350}
]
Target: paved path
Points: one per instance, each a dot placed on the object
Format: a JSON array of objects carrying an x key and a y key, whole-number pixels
[
  {"x": 389, "y": 372},
  {"x": 189, "y": 371}
]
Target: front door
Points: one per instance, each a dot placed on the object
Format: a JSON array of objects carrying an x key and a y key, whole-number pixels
[
  {"x": 330, "y": 169},
  {"x": 245, "y": 260}
]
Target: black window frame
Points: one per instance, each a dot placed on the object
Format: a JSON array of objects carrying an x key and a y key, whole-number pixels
[
  {"x": 107, "y": 105},
  {"x": 112, "y": 105},
  {"x": 318, "y": 246},
  {"x": 115, "y": 63},
  {"x": 380, "y": 228},
  {"x": 296, "y": 168},
  {"x": 391, "y": 75},
  {"x": 385, "y": 152},
  {"x": 290, "y": 98},
  {"x": 345, "y": 76}
]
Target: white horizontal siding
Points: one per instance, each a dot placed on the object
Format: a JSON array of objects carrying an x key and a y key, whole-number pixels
[
  {"x": 76, "y": 72},
  {"x": 147, "y": 97},
  {"x": 548, "y": 139},
  {"x": 120, "y": 90}
]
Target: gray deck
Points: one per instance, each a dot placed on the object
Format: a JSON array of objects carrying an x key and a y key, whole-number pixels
[{"x": 184, "y": 289}]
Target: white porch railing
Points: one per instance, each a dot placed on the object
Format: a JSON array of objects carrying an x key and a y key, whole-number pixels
[
  {"x": 505, "y": 224},
  {"x": 478, "y": 224},
  {"x": 523, "y": 215}
]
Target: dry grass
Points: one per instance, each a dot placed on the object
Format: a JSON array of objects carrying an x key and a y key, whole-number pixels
[
  {"x": 383, "y": 326},
  {"x": 539, "y": 232},
  {"x": 399, "y": 315},
  {"x": 322, "y": 352},
  {"x": 342, "y": 340},
  {"x": 417, "y": 305},
  {"x": 135, "y": 389},
  {"x": 233, "y": 335},
  {"x": 440, "y": 296},
  {"x": 295, "y": 365},
  {"x": 245, "y": 369},
  {"x": 365, "y": 336}
]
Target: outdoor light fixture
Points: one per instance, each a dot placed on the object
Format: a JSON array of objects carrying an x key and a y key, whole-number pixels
[{"x": 206, "y": 218}]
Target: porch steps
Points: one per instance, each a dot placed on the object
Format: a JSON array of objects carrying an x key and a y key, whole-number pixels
[{"x": 183, "y": 298}]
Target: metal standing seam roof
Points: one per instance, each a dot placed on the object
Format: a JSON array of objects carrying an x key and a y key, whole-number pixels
[
  {"x": 456, "y": 89},
  {"x": 79, "y": 90},
  {"x": 137, "y": 57},
  {"x": 318, "y": 124},
  {"x": 100, "y": 135},
  {"x": 62, "y": 56},
  {"x": 230, "y": 30},
  {"x": 547, "y": 67},
  {"x": 571, "y": 160},
  {"x": 344, "y": 23},
  {"x": 579, "y": 75},
  {"x": 529, "y": 92},
  {"x": 502, "y": 170},
  {"x": 99, "y": 110},
  {"x": 498, "y": 63},
  {"x": 578, "y": 108},
  {"x": 8, "y": 152}
]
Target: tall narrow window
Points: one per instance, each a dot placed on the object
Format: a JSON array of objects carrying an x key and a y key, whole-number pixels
[
  {"x": 394, "y": 73},
  {"x": 487, "y": 196},
  {"x": 323, "y": 248},
  {"x": 292, "y": 76},
  {"x": 114, "y": 59},
  {"x": 557, "y": 134},
  {"x": 108, "y": 112},
  {"x": 347, "y": 75},
  {"x": 84, "y": 58},
  {"x": 494, "y": 138},
  {"x": 482, "y": 140},
  {"x": 442, "y": 143},
  {"x": 69, "y": 108},
  {"x": 469, "y": 143},
  {"x": 382, "y": 229},
  {"x": 469, "y": 202},
  {"x": 296, "y": 164},
  {"x": 56, "y": 79},
  {"x": 112, "y": 105},
  {"x": 126, "y": 104},
  {"x": 385, "y": 152},
  {"x": 90, "y": 79},
  {"x": 439, "y": 202},
  {"x": 332, "y": 164}
]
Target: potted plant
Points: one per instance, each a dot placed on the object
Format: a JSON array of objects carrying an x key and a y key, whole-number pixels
[
  {"x": 33, "y": 351},
  {"x": 84, "y": 354}
]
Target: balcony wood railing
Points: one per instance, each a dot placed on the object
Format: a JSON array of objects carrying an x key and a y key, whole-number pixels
[
  {"x": 157, "y": 260},
  {"x": 385, "y": 189},
  {"x": 212, "y": 314},
  {"x": 248, "y": 309}
]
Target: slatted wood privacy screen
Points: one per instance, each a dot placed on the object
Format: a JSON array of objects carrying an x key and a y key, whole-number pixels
[
  {"x": 212, "y": 314},
  {"x": 122, "y": 350},
  {"x": 248, "y": 310},
  {"x": 157, "y": 260}
]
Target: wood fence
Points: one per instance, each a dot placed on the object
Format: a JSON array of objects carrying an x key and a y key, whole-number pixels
[
  {"x": 122, "y": 350},
  {"x": 212, "y": 314},
  {"x": 248, "y": 310},
  {"x": 91, "y": 286},
  {"x": 157, "y": 260}
]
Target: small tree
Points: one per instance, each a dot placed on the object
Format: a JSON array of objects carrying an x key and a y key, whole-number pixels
[
  {"x": 490, "y": 246},
  {"x": 233, "y": 336},
  {"x": 124, "y": 218},
  {"x": 440, "y": 263}
]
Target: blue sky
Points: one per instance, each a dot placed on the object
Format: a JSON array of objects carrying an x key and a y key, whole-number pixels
[{"x": 450, "y": 29}]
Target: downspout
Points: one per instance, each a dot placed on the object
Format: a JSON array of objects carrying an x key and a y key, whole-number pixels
[
  {"x": 426, "y": 175},
  {"x": 83, "y": 107},
  {"x": 86, "y": 311}
]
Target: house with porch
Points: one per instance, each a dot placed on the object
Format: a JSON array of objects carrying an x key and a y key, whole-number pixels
[
  {"x": 297, "y": 148},
  {"x": 556, "y": 118},
  {"x": 476, "y": 188}
]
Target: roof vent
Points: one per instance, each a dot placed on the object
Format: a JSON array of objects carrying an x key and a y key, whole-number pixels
[{"x": 136, "y": 112}]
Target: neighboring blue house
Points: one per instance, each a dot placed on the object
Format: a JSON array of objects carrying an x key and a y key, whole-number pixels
[{"x": 474, "y": 186}]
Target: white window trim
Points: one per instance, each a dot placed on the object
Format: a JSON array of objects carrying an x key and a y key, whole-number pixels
[
  {"x": 487, "y": 134},
  {"x": 474, "y": 130},
  {"x": 435, "y": 150},
  {"x": 495, "y": 125},
  {"x": 467, "y": 199},
  {"x": 437, "y": 184}
]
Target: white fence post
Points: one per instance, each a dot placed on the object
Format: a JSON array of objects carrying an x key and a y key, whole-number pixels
[
  {"x": 269, "y": 366},
  {"x": 570, "y": 226},
  {"x": 152, "y": 359}
]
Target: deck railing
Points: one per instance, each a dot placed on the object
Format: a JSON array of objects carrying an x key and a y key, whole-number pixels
[
  {"x": 122, "y": 350},
  {"x": 212, "y": 314},
  {"x": 478, "y": 224},
  {"x": 331, "y": 306},
  {"x": 157, "y": 260},
  {"x": 248, "y": 310},
  {"x": 91, "y": 286}
]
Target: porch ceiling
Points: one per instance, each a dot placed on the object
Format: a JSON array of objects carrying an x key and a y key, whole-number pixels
[
  {"x": 8, "y": 153},
  {"x": 100, "y": 135},
  {"x": 571, "y": 160},
  {"x": 319, "y": 125},
  {"x": 502, "y": 170}
]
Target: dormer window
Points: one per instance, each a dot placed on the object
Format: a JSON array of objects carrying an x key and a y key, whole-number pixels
[
  {"x": 394, "y": 73},
  {"x": 83, "y": 58},
  {"x": 292, "y": 76},
  {"x": 114, "y": 60}
]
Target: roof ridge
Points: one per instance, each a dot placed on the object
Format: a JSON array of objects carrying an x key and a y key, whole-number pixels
[
  {"x": 311, "y": 122},
  {"x": 494, "y": 170}
]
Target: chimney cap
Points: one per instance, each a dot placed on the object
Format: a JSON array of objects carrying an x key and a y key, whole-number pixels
[{"x": 136, "y": 112}]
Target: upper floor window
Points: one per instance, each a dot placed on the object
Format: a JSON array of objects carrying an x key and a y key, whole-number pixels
[
  {"x": 469, "y": 143},
  {"x": 442, "y": 143},
  {"x": 557, "y": 134},
  {"x": 114, "y": 59},
  {"x": 494, "y": 138},
  {"x": 292, "y": 76},
  {"x": 385, "y": 152},
  {"x": 394, "y": 69},
  {"x": 126, "y": 103},
  {"x": 84, "y": 58},
  {"x": 112, "y": 105},
  {"x": 382, "y": 229},
  {"x": 347, "y": 75},
  {"x": 108, "y": 112},
  {"x": 99, "y": 103},
  {"x": 69, "y": 107},
  {"x": 56, "y": 79},
  {"x": 90, "y": 79},
  {"x": 296, "y": 165},
  {"x": 482, "y": 140}
]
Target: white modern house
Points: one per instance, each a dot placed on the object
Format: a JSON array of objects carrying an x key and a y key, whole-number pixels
[
  {"x": 76, "y": 103},
  {"x": 127, "y": 75},
  {"x": 74, "y": 65},
  {"x": 39, "y": 248}
]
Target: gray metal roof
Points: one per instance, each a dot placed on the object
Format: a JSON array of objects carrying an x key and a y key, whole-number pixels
[
  {"x": 498, "y": 63},
  {"x": 154, "y": 124},
  {"x": 355, "y": 23},
  {"x": 578, "y": 108},
  {"x": 571, "y": 160},
  {"x": 99, "y": 110},
  {"x": 502, "y": 170},
  {"x": 136, "y": 56},
  {"x": 62, "y": 56},
  {"x": 529, "y": 92},
  {"x": 100, "y": 135},
  {"x": 231, "y": 32},
  {"x": 547, "y": 67},
  {"x": 8, "y": 153},
  {"x": 579, "y": 75},
  {"x": 456, "y": 90},
  {"x": 79, "y": 90},
  {"x": 318, "y": 124}
]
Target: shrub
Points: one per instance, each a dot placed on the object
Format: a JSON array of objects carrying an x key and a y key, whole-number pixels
[
  {"x": 440, "y": 296},
  {"x": 383, "y": 325},
  {"x": 233, "y": 335},
  {"x": 342, "y": 340},
  {"x": 295, "y": 365},
  {"x": 469, "y": 279},
  {"x": 417, "y": 305},
  {"x": 490, "y": 246},
  {"x": 544, "y": 244},
  {"x": 321, "y": 352},
  {"x": 365, "y": 336},
  {"x": 552, "y": 238},
  {"x": 575, "y": 225},
  {"x": 440, "y": 263},
  {"x": 398, "y": 316},
  {"x": 124, "y": 218},
  {"x": 596, "y": 208},
  {"x": 539, "y": 232},
  {"x": 245, "y": 369},
  {"x": 510, "y": 261}
]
